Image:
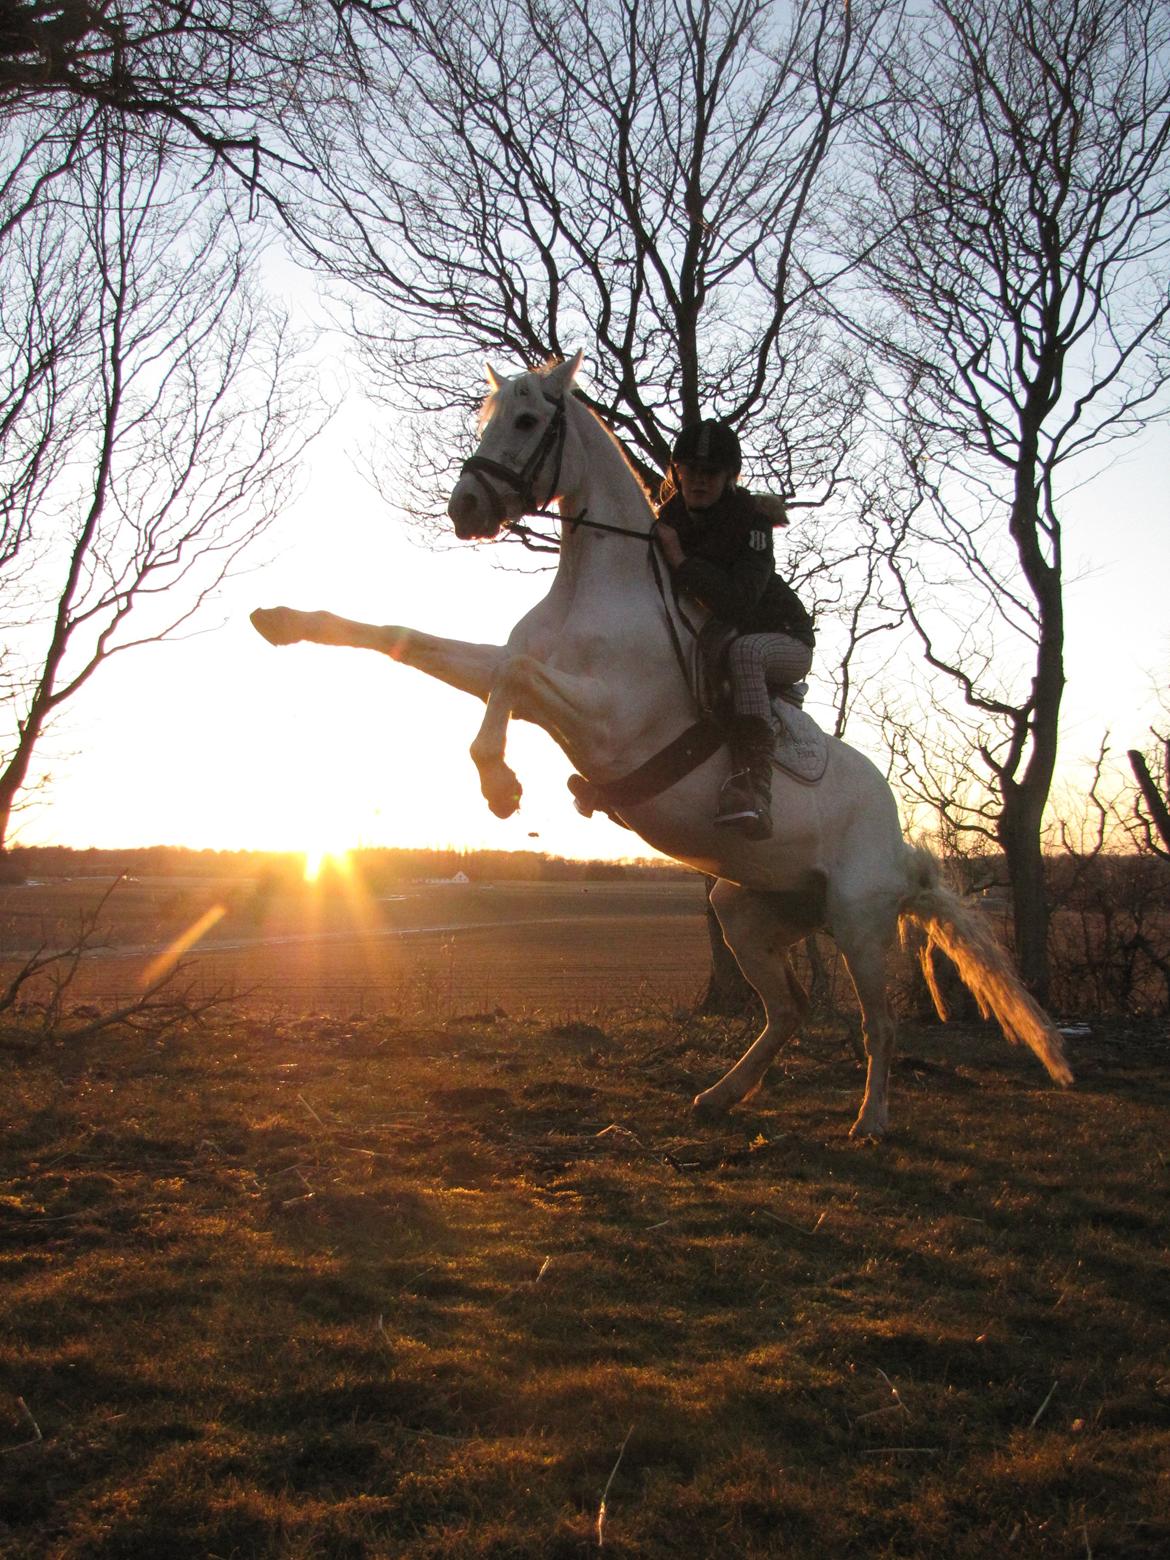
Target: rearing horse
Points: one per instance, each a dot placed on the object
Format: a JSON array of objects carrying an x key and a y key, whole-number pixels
[{"x": 597, "y": 664}]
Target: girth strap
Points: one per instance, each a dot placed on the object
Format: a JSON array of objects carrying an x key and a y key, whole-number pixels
[{"x": 678, "y": 758}]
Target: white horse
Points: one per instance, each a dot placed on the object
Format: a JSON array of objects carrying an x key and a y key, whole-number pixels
[{"x": 597, "y": 664}]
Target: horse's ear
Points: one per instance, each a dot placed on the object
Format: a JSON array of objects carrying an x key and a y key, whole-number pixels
[
  {"x": 493, "y": 379},
  {"x": 558, "y": 379}
]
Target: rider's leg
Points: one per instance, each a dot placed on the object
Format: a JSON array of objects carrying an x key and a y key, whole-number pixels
[
  {"x": 745, "y": 799},
  {"x": 759, "y": 664},
  {"x": 756, "y": 662}
]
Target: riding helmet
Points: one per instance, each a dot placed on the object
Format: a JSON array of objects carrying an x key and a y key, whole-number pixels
[{"x": 710, "y": 441}]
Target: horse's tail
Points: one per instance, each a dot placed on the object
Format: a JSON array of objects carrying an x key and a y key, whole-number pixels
[{"x": 966, "y": 938}]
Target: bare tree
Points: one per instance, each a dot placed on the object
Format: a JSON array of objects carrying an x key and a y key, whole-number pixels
[
  {"x": 150, "y": 417},
  {"x": 1016, "y": 231},
  {"x": 640, "y": 178},
  {"x": 231, "y": 80}
]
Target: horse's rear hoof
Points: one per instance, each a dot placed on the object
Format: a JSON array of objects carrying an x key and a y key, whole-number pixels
[
  {"x": 706, "y": 1108},
  {"x": 867, "y": 1131}
]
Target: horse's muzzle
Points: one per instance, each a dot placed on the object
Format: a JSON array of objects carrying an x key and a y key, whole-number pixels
[{"x": 471, "y": 517}]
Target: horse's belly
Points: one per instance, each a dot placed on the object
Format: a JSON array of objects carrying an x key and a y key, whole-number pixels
[{"x": 682, "y": 828}]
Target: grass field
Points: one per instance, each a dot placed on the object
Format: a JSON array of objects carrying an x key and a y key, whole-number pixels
[{"x": 409, "y": 1288}]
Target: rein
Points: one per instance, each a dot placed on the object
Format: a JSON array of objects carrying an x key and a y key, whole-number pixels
[
  {"x": 551, "y": 543},
  {"x": 537, "y": 541}
]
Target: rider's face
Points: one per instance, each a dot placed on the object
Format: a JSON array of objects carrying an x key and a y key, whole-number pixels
[{"x": 700, "y": 483}]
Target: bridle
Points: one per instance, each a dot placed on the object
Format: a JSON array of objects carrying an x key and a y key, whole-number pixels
[{"x": 522, "y": 481}]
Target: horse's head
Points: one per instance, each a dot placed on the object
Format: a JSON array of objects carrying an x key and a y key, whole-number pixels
[{"x": 517, "y": 467}]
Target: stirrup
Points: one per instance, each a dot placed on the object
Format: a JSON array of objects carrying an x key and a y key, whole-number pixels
[
  {"x": 736, "y": 798},
  {"x": 743, "y": 807},
  {"x": 754, "y": 823},
  {"x": 740, "y": 807}
]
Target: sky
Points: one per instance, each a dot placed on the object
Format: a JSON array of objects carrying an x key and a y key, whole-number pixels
[{"x": 223, "y": 741}]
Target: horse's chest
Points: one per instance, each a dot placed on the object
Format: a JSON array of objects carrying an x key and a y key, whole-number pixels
[{"x": 589, "y": 650}]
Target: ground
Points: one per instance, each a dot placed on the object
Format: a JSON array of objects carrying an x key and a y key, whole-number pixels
[{"x": 389, "y": 1286}]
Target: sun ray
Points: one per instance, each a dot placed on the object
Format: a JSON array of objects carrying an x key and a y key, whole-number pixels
[{"x": 170, "y": 956}]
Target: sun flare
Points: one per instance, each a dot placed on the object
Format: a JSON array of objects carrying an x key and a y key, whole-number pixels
[{"x": 320, "y": 857}]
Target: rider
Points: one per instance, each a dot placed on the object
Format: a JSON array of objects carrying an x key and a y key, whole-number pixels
[{"x": 717, "y": 542}]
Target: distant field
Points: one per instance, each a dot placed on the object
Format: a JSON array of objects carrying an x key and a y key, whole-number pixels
[{"x": 440, "y": 948}]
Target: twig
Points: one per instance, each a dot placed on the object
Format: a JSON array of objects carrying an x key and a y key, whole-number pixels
[
  {"x": 614, "y": 1130},
  {"x": 37, "y": 1436},
  {"x": 799, "y": 1228},
  {"x": 601, "y": 1510},
  {"x": 544, "y": 1267},
  {"x": 897, "y": 1398},
  {"x": 311, "y": 1111},
  {"x": 885, "y": 1451},
  {"x": 1043, "y": 1406}
]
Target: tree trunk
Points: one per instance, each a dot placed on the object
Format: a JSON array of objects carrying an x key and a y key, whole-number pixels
[
  {"x": 1159, "y": 810},
  {"x": 13, "y": 777},
  {"x": 1019, "y": 834},
  {"x": 1037, "y": 722}
]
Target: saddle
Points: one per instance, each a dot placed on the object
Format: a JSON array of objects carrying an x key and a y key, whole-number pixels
[{"x": 799, "y": 746}]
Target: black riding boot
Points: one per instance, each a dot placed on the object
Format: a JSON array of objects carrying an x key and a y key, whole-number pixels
[{"x": 745, "y": 802}]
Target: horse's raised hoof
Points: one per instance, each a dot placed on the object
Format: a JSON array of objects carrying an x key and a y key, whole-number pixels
[
  {"x": 502, "y": 791},
  {"x": 272, "y": 623}
]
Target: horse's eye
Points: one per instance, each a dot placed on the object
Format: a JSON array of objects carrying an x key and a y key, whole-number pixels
[{"x": 525, "y": 421}]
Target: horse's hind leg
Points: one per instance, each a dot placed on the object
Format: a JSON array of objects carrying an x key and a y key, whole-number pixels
[
  {"x": 865, "y": 944},
  {"x": 759, "y": 937}
]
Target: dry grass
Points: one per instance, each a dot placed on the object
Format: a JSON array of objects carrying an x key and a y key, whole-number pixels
[{"x": 366, "y": 1288}]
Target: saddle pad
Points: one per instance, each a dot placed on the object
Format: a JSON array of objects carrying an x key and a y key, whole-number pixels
[{"x": 799, "y": 746}]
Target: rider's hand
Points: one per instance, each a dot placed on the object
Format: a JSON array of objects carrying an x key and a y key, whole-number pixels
[{"x": 670, "y": 544}]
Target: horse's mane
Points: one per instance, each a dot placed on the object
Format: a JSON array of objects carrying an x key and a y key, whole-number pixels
[{"x": 523, "y": 385}]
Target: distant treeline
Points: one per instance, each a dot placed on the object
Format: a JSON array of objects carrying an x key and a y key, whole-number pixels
[{"x": 375, "y": 866}]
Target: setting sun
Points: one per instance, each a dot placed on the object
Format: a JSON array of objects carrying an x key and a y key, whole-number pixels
[{"x": 320, "y": 856}]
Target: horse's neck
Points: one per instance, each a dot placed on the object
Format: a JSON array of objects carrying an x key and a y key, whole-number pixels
[
  {"x": 610, "y": 607},
  {"x": 601, "y": 570}
]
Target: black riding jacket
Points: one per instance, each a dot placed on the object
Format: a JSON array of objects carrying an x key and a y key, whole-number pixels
[{"x": 730, "y": 567}]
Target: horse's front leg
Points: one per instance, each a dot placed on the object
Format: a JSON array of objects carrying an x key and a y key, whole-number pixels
[
  {"x": 471, "y": 668},
  {"x": 562, "y": 704}
]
